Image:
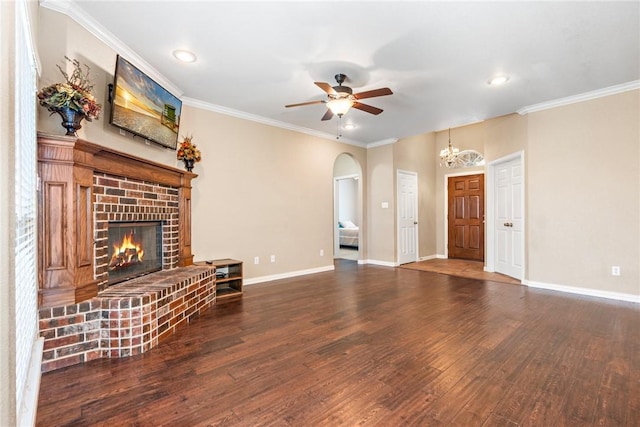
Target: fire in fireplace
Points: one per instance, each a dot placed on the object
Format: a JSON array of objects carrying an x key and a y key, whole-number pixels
[{"x": 135, "y": 249}]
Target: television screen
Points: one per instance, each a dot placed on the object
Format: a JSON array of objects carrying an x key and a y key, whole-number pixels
[{"x": 143, "y": 107}]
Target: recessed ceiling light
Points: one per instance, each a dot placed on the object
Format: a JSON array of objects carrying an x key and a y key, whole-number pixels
[
  {"x": 184, "y": 55},
  {"x": 349, "y": 126},
  {"x": 498, "y": 80}
]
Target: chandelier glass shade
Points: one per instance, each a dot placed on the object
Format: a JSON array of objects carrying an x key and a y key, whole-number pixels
[{"x": 449, "y": 155}]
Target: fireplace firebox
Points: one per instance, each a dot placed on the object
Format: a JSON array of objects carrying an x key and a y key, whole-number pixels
[{"x": 135, "y": 249}]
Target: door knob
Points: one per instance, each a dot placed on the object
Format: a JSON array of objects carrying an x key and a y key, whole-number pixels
[{"x": 415, "y": 222}]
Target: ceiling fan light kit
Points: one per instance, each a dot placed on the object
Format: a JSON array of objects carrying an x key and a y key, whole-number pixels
[
  {"x": 340, "y": 99},
  {"x": 340, "y": 106}
]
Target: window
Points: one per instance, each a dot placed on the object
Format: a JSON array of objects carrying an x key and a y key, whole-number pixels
[{"x": 24, "y": 219}]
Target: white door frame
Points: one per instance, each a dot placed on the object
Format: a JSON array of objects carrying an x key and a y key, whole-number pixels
[
  {"x": 490, "y": 231},
  {"x": 446, "y": 207},
  {"x": 336, "y": 212},
  {"x": 416, "y": 233}
]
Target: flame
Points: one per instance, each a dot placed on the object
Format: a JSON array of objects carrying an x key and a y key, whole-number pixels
[{"x": 127, "y": 253}]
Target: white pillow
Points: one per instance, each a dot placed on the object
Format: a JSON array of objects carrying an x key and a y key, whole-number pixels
[{"x": 349, "y": 224}]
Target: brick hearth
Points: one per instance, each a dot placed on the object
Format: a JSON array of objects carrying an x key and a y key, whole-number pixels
[{"x": 126, "y": 319}]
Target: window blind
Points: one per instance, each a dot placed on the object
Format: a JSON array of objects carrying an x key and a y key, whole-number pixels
[{"x": 25, "y": 175}]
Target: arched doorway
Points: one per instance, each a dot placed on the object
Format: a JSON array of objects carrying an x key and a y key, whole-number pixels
[{"x": 347, "y": 207}]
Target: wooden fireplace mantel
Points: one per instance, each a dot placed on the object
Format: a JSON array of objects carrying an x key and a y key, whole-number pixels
[{"x": 66, "y": 166}]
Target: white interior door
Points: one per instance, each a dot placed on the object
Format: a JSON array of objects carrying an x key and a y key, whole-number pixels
[
  {"x": 509, "y": 219},
  {"x": 407, "y": 217}
]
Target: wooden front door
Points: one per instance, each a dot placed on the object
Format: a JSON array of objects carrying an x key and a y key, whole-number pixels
[{"x": 466, "y": 217}]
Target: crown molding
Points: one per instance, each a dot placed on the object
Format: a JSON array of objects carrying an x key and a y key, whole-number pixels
[
  {"x": 259, "y": 119},
  {"x": 611, "y": 90},
  {"x": 382, "y": 142},
  {"x": 74, "y": 11}
]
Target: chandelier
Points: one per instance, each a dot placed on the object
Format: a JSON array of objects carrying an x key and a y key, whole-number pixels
[{"x": 449, "y": 155}]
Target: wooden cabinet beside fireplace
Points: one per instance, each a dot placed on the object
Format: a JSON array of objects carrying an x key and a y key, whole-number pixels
[
  {"x": 65, "y": 225},
  {"x": 66, "y": 168}
]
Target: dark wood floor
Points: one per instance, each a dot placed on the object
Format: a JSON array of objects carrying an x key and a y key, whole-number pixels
[{"x": 375, "y": 346}]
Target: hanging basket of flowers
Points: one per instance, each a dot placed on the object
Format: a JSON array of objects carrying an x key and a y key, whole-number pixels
[{"x": 73, "y": 99}]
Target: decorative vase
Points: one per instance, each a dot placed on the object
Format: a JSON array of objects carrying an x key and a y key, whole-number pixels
[
  {"x": 188, "y": 164},
  {"x": 70, "y": 120}
]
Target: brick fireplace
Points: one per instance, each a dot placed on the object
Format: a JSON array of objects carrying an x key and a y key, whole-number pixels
[
  {"x": 120, "y": 199},
  {"x": 84, "y": 188}
]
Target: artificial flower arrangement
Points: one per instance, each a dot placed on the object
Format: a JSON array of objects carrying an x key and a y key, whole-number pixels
[
  {"x": 75, "y": 93},
  {"x": 188, "y": 150}
]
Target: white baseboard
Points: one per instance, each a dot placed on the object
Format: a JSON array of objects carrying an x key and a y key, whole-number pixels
[
  {"x": 29, "y": 403},
  {"x": 428, "y": 257},
  {"x": 288, "y": 275},
  {"x": 618, "y": 296},
  {"x": 381, "y": 263},
  {"x": 583, "y": 291}
]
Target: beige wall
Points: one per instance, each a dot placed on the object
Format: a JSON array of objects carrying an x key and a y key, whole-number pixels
[
  {"x": 346, "y": 165},
  {"x": 582, "y": 198},
  {"x": 504, "y": 136},
  {"x": 262, "y": 191},
  {"x": 584, "y": 194},
  {"x": 381, "y": 221},
  {"x": 416, "y": 154}
]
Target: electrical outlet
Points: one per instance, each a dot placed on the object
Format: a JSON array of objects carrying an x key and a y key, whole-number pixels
[
  {"x": 615, "y": 270},
  {"x": 321, "y": 252},
  {"x": 273, "y": 258},
  {"x": 256, "y": 260}
]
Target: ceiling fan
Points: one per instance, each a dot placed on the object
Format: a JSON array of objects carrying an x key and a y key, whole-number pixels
[{"x": 341, "y": 98}]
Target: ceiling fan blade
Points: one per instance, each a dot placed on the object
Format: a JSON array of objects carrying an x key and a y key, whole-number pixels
[
  {"x": 367, "y": 108},
  {"x": 373, "y": 93},
  {"x": 328, "y": 115},
  {"x": 326, "y": 87},
  {"x": 305, "y": 103}
]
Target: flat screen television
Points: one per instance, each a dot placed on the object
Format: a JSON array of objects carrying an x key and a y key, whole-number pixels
[{"x": 143, "y": 107}]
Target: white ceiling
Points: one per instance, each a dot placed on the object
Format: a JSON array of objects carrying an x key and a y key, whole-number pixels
[{"x": 255, "y": 57}]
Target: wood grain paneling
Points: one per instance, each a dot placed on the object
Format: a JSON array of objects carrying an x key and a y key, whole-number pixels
[{"x": 55, "y": 220}]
